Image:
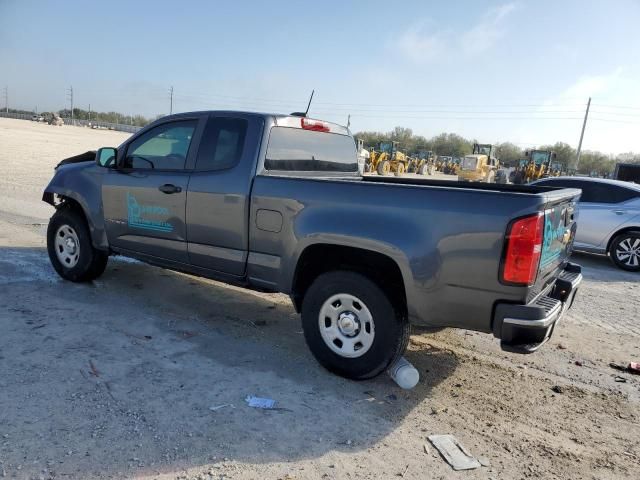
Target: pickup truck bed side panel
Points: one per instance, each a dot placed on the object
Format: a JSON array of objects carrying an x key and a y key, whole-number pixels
[{"x": 449, "y": 260}]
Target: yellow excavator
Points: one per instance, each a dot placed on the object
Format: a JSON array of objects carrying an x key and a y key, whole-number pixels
[
  {"x": 480, "y": 166},
  {"x": 386, "y": 159}
]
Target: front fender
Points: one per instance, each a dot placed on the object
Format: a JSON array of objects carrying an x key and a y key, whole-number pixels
[{"x": 82, "y": 183}]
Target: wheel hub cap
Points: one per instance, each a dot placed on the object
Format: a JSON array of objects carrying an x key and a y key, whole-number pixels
[
  {"x": 628, "y": 252},
  {"x": 67, "y": 246},
  {"x": 346, "y": 325}
]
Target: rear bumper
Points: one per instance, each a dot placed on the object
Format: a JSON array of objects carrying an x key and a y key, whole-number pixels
[{"x": 525, "y": 328}]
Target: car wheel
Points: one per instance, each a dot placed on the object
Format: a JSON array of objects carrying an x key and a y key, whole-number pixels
[
  {"x": 625, "y": 251},
  {"x": 69, "y": 246},
  {"x": 351, "y": 326}
]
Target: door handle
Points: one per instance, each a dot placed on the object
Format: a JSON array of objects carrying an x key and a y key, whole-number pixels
[
  {"x": 619, "y": 212},
  {"x": 168, "y": 188}
]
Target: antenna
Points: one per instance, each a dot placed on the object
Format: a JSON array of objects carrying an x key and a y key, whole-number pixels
[
  {"x": 304, "y": 114},
  {"x": 309, "y": 105}
]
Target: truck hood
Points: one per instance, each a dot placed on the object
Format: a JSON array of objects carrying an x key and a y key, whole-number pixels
[{"x": 88, "y": 156}]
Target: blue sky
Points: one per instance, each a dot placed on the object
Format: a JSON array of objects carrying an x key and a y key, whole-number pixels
[{"x": 496, "y": 71}]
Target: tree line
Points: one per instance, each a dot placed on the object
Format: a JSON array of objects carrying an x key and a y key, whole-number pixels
[{"x": 452, "y": 144}]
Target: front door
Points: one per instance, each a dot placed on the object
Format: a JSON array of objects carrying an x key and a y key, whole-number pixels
[{"x": 144, "y": 199}]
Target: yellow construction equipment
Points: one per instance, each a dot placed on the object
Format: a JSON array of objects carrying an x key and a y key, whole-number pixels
[
  {"x": 423, "y": 163},
  {"x": 480, "y": 166},
  {"x": 386, "y": 159},
  {"x": 539, "y": 164}
]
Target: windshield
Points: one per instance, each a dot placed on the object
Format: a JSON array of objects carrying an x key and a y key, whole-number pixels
[{"x": 539, "y": 157}]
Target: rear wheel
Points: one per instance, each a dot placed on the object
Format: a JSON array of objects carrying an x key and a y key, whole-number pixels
[
  {"x": 351, "y": 326},
  {"x": 400, "y": 169},
  {"x": 625, "y": 251},
  {"x": 424, "y": 169},
  {"x": 69, "y": 246}
]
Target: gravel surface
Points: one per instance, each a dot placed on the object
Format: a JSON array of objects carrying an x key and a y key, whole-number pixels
[{"x": 143, "y": 373}]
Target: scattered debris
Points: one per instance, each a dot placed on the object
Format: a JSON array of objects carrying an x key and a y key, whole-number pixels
[
  {"x": 219, "y": 407},
  {"x": 259, "y": 402},
  {"x": 561, "y": 347},
  {"x": 484, "y": 461},
  {"x": 620, "y": 379},
  {"x": 405, "y": 471},
  {"x": 579, "y": 363},
  {"x": 632, "y": 367},
  {"x": 557, "y": 389},
  {"x": 404, "y": 374},
  {"x": 93, "y": 370},
  {"x": 426, "y": 448},
  {"x": 453, "y": 452}
]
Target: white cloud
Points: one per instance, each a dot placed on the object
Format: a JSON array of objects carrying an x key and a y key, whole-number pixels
[
  {"x": 590, "y": 86},
  {"x": 423, "y": 42},
  {"x": 488, "y": 31}
]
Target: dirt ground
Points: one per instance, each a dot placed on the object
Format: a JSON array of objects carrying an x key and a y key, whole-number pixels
[{"x": 117, "y": 378}]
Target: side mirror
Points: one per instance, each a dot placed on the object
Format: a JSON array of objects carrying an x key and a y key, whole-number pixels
[{"x": 106, "y": 157}]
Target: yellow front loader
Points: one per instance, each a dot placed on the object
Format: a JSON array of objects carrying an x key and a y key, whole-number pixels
[{"x": 480, "y": 166}]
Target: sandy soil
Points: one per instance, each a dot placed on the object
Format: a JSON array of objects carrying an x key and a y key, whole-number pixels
[{"x": 115, "y": 379}]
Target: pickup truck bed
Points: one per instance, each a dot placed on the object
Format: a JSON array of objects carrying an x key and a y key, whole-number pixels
[{"x": 361, "y": 257}]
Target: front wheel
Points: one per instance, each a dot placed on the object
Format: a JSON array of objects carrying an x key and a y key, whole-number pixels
[
  {"x": 351, "y": 326},
  {"x": 625, "y": 251},
  {"x": 69, "y": 246}
]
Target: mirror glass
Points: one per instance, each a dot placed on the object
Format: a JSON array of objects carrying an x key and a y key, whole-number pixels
[{"x": 106, "y": 157}]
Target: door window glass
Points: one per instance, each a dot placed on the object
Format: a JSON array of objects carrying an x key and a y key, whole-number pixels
[
  {"x": 165, "y": 147},
  {"x": 222, "y": 144}
]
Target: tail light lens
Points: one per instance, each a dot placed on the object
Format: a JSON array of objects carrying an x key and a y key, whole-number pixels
[
  {"x": 524, "y": 246},
  {"x": 314, "y": 125}
]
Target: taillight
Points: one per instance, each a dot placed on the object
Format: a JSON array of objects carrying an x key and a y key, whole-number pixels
[
  {"x": 313, "y": 125},
  {"x": 524, "y": 246}
]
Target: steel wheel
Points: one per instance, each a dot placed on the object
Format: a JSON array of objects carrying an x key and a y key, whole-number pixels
[
  {"x": 346, "y": 325},
  {"x": 627, "y": 252},
  {"x": 67, "y": 246}
]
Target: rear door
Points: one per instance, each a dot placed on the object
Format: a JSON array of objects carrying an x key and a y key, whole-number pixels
[
  {"x": 219, "y": 192},
  {"x": 144, "y": 199}
]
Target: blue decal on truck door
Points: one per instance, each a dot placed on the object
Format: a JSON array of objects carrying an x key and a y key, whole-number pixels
[
  {"x": 555, "y": 235},
  {"x": 146, "y": 216}
]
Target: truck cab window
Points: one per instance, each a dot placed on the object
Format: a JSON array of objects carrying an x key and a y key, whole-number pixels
[
  {"x": 164, "y": 147},
  {"x": 222, "y": 144}
]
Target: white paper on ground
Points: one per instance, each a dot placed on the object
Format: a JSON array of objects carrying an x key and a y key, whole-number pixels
[{"x": 453, "y": 452}]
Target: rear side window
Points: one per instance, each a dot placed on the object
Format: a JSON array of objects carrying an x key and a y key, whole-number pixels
[
  {"x": 294, "y": 149},
  {"x": 222, "y": 144},
  {"x": 596, "y": 192}
]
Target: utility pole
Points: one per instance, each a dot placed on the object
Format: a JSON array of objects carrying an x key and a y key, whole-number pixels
[
  {"x": 71, "y": 98},
  {"x": 89, "y": 112},
  {"x": 171, "y": 100},
  {"x": 584, "y": 124},
  {"x": 6, "y": 99}
]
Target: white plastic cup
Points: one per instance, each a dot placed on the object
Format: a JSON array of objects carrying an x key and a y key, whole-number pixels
[{"x": 404, "y": 374}]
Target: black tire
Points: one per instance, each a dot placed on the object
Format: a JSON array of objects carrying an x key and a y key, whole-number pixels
[
  {"x": 90, "y": 263},
  {"x": 620, "y": 245},
  {"x": 391, "y": 328}
]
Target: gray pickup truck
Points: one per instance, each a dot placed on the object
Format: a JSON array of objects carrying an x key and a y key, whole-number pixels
[{"x": 275, "y": 203}]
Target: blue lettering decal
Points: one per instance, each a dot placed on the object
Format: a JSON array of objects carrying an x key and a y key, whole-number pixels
[
  {"x": 137, "y": 216},
  {"x": 553, "y": 243}
]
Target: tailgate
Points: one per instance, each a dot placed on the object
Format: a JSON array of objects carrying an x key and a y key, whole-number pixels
[{"x": 560, "y": 223}]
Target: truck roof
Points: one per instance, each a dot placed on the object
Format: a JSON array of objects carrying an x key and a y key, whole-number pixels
[{"x": 280, "y": 119}]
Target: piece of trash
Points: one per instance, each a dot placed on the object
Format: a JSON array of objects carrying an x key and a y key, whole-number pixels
[
  {"x": 484, "y": 461},
  {"x": 620, "y": 379},
  {"x": 219, "y": 407},
  {"x": 557, "y": 389},
  {"x": 579, "y": 363},
  {"x": 632, "y": 367},
  {"x": 453, "y": 452},
  {"x": 259, "y": 402},
  {"x": 561, "y": 347},
  {"x": 94, "y": 371},
  {"x": 404, "y": 374},
  {"x": 426, "y": 448}
]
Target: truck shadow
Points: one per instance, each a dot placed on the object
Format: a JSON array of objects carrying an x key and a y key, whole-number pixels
[
  {"x": 601, "y": 268},
  {"x": 145, "y": 371}
]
